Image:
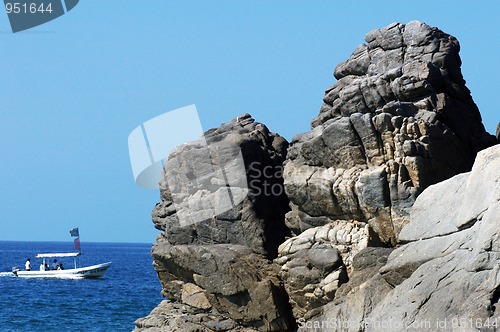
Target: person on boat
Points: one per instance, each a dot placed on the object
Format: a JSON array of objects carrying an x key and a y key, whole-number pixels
[
  {"x": 60, "y": 267},
  {"x": 27, "y": 265},
  {"x": 42, "y": 266},
  {"x": 54, "y": 264}
]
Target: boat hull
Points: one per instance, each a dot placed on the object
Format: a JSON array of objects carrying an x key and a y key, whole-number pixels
[{"x": 88, "y": 272}]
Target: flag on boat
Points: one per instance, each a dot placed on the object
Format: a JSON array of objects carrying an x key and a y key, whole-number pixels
[
  {"x": 74, "y": 232},
  {"x": 77, "y": 244}
]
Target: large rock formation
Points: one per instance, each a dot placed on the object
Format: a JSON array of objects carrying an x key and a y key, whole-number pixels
[
  {"x": 188, "y": 189},
  {"x": 221, "y": 265},
  {"x": 398, "y": 119},
  {"x": 447, "y": 274}
]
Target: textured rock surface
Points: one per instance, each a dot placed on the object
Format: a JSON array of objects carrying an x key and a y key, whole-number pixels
[
  {"x": 449, "y": 269},
  {"x": 315, "y": 263},
  {"x": 398, "y": 119},
  {"x": 257, "y": 222},
  {"x": 235, "y": 280},
  {"x": 223, "y": 263},
  {"x": 178, "y": 317},
  {"x": 194, "y": 296},
  {"x": 355, "y": 299}
]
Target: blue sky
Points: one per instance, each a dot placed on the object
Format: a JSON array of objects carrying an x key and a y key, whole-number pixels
[{"x": 73, "y": 89}]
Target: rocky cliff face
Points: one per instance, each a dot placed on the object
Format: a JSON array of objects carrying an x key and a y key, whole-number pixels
[
  {"x": 398, "y": 120},
  {"x": 446, "y": 274},
  {"x": 218, "y": 271},
  {"x": 192, "y": 188}
]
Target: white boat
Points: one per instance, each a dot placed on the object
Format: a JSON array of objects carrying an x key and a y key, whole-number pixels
[{"x": 94, "y": 271}]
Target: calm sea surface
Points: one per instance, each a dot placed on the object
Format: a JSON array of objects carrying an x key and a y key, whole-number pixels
[{"x": 129, "y": 290}]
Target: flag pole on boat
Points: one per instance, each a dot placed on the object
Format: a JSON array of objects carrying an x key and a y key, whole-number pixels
[{"x": 75, "y": 233}]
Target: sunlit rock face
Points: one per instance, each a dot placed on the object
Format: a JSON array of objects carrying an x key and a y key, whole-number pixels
[
  {"x": 398, "y": 119},
  {"x": 339, "y": 226},
  {"x": 446, "y": 270},
  {"x": 215, "y": 262}
]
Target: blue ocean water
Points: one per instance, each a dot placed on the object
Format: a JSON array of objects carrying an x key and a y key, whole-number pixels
[{"x": 129, "y": 290}]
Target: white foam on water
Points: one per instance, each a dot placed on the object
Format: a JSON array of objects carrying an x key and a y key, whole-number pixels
[{"x": 6, "y": 274}]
